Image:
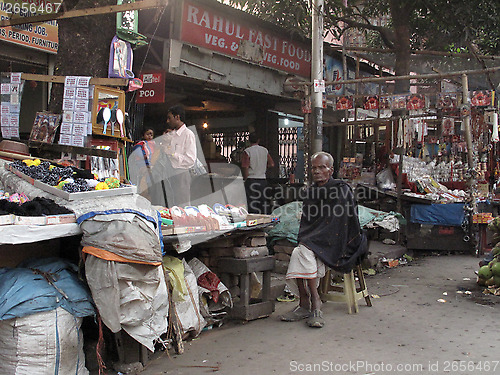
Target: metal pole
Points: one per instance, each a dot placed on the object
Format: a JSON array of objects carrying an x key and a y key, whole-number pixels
[
  {"x": 468, "y": 140},
  {"x": 307, "y": 138},
  {"x": 317, "y": 74}
]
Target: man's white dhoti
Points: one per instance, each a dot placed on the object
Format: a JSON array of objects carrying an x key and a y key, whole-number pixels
[{"x": 304, "y": 264}]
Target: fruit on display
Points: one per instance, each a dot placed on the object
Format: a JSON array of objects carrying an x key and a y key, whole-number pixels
[
  {"x": 112, "y": 182},
  {"x": 496, "y": 249},
  {"x": 102, "y": 186},
  {"x": 485, "y": 272},
  {"x": 495, "y": 269},
  {"x": 489, "y": 273}
]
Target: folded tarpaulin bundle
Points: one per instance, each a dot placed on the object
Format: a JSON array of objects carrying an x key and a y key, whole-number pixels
[
  {"x": 174, "y": 268},
  {"x": 130, "y": 296},
  {"x": 130, "y": 236},
  {"x": 38, "y": 285}
]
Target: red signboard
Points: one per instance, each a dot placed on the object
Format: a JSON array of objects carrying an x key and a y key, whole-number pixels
[
  {"x": 207, "y": 28},
  {"x": 153, "y": 89}
]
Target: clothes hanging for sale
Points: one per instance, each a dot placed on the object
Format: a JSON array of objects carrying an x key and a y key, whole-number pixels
[
  {"x": 409, "y": 133},
  {"x": 447, "y": 126},
  {"x": 400, "y": 142}
]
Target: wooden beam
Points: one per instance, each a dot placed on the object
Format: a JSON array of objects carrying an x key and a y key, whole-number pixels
[
  {"x": 60, "y": 79},
  {"x": 397, "y": 78},
  {"x": 73, "y": 149},
  {"x": 374, "y": 121},
  {"x": 416, "y": 76},
  {"x": 416, "y": 52},
  {"x": 144, "y": 4}
]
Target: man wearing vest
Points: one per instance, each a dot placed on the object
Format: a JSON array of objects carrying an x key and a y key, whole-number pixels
[{"x": 254, "y": 162}]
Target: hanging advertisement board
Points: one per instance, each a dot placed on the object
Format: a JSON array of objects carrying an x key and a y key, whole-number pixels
[
  {"x": 218, "y": 32},
  {"x": 333, "y": 71},
  {"x": 153, "y": 89},
  {"x": 41, "y": 36}
]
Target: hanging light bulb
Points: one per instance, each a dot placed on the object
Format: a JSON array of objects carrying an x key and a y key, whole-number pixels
[{"x": 205, "y": 125}]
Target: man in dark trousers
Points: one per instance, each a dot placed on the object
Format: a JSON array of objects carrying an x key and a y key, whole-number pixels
[
  {"x": 329, "y": 236},
  {"x": 180, "y": 146},
  {"x": 254, "y": 163}
]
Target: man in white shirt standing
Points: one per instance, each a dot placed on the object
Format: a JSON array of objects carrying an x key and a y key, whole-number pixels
[
  {"x": 254, "y": 163},
  {"x": 181, "y": 151}
]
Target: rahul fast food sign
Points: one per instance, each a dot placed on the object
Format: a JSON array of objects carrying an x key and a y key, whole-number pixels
[
  {"x": 207, "y": 28},
  {"x": 41, "y": 36}
]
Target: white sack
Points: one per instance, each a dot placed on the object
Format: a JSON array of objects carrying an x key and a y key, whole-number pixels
[
  {"x": 48, "y": 342},
  {"x": 130, "y": 296}
]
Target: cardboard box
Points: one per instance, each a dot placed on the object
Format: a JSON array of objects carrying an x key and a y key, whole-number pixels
[
  {"x": 30, "y": 220},
  {"x": 6, "y": 219},
  {"x": 482, "y": 218},
  {"x": 61, "y": 219},
  {"x": 255, "y": 219}
]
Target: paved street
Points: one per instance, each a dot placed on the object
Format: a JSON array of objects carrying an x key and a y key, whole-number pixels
[{"x": 407, "y": 331}]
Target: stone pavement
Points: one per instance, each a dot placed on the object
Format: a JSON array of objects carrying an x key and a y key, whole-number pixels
[
  {"x": 377, "y": 251},
  {"x": 428, "y": 317}
]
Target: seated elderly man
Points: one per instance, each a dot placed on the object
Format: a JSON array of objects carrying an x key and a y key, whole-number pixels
[{"x": 329, "y": 235}]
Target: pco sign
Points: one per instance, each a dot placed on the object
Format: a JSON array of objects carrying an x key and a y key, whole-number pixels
[{"x": 153, "y": 89}]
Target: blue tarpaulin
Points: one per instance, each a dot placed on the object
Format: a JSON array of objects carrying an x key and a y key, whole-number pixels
[
  {"x": 451, "y": 214},
  {"x": 42, "y": 285}
]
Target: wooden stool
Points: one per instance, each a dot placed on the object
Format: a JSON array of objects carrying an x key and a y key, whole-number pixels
[
  {"x": 246, "y": 309},
  {"x": 347, "y": 293}
]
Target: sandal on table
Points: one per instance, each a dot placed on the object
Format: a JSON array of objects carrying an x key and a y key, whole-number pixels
[
  {"x": 316, "y": 319},
  {"x": 295, "y": 315}
]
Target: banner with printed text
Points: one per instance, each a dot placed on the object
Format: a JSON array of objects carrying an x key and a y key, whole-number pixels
[
  {"x": 217, "y": 32},
  {"x": 41, "y": 36}
]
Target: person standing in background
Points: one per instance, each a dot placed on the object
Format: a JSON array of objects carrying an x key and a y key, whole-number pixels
[
  {"x": 237, "y": 153},
  {"x": 254, "y": 163},
  {"x": 181, "y": 151}
]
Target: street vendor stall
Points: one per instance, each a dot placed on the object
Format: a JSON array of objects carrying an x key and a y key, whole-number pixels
[
  {"x": 121, "y": 239},
  {"x": 437, "y": 144}
]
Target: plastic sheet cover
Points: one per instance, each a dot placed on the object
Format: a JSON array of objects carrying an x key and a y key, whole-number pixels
[{"x": 451, "y": 214}]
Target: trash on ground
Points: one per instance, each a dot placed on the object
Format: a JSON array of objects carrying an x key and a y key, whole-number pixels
[
  {"x": 370, "y": 272},
  {"x": 391, "y": 263},
  {"x": 409, "y": 258}
]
